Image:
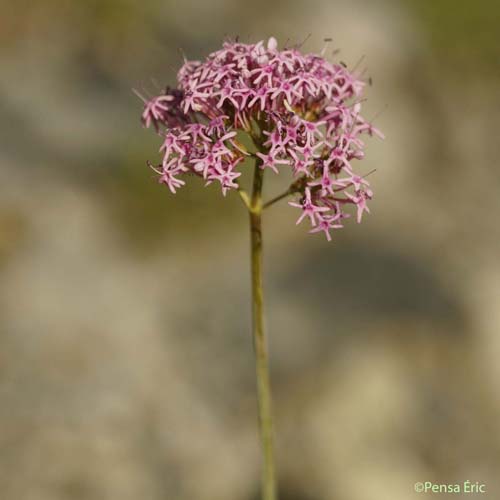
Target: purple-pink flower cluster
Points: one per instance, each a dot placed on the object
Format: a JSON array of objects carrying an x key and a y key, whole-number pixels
[{"x": 301, "y": 111}]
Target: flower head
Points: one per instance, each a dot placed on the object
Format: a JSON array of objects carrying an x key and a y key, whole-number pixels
[{"x": 301, "y": 111}]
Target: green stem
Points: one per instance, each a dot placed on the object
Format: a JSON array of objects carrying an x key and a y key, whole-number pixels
[
  {"x": 260, "y": 343},
  {"x": 277, "y": 198}
]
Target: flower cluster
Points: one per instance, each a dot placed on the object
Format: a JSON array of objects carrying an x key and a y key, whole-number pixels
[{"x": 301, "y": 111}]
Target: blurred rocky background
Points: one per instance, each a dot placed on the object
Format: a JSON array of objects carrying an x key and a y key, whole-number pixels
[{"x": 126, "y": 363}]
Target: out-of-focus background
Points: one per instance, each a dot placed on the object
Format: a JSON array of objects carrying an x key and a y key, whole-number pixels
[{"x": 126, "y": 363}]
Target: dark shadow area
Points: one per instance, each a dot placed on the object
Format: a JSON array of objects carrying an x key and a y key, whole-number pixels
[{"x": 353, "y": 283}]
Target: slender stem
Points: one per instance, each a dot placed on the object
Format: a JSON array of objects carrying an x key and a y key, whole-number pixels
[
  {"x": 260, "y": 343},
  {"x": 277, "y": 198},
  {"x": 295, "y": 187}
]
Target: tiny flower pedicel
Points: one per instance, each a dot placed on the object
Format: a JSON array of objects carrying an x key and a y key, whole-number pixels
[{"x": 300, "y": 112}]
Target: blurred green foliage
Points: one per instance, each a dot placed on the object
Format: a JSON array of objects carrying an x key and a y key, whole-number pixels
[{"x": 464, "y": 35}]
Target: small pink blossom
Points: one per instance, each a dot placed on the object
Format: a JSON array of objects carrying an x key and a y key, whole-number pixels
[
  {"x": 326, "y": 224},
  {"x": 309, "y": 209},
  {"x": 271, "y": 161}
]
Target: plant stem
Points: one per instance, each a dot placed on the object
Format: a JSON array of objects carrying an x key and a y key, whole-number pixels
[
  {"x": 260, "y": 343},
  {"x": 277, "y": 198}
]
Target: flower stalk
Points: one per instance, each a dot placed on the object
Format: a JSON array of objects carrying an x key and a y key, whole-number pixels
[{"x": 260, "y": 341}]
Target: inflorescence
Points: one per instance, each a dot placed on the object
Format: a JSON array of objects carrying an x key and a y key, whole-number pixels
[{"x": 300, "y": 110}]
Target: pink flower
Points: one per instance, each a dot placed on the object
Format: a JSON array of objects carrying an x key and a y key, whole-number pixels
[
  {"x": 359, "y": 199},
  {"x": 326, "y": 224},
  {"x": 308, "y": 208},
  {"x": 270, "y": 161},
  {"x": 326, "y": 183},
  {"x": 307, "y": 111},
  {"x": 260, "y": 96},
  {"x": 224, "y": 173},
  {"x": 167, "y": 176}
]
